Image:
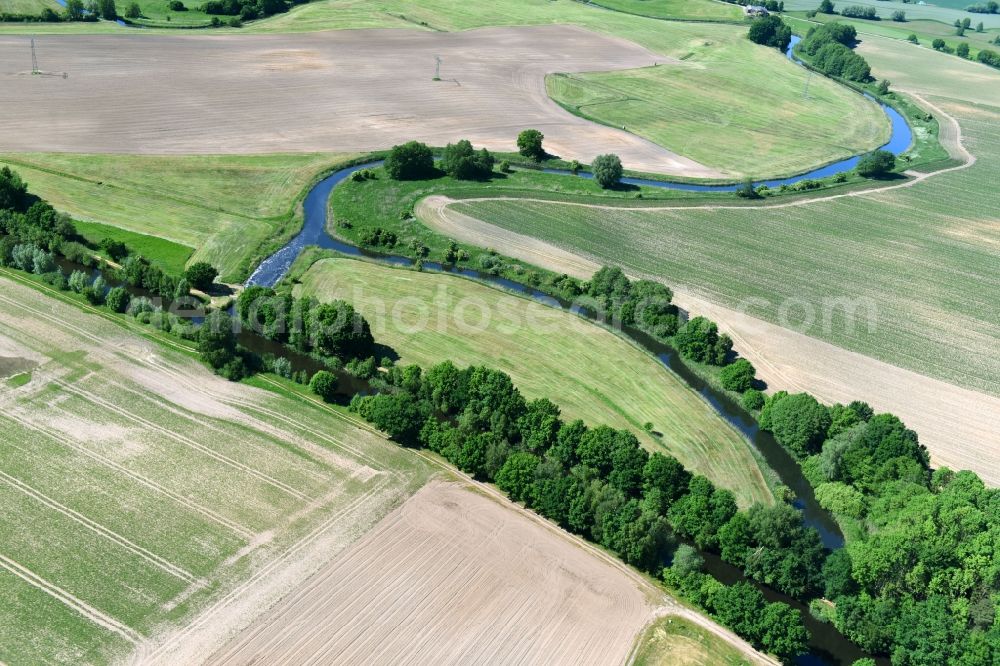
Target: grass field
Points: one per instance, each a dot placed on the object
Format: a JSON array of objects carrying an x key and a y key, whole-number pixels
[
  {"x": 158, "y": 13},
  {"x": 921, "y": 69},
  {"x": 925, "y": 30},
  {"x": 32, "y": 7},
  {"x": 226, "y": 210},
  {"x": 139, "y": 490},
  {"x": 676, "y": 9},
  {"x": 675, "y": 641},
  {"x": 924, "y": 256},
  {"x": 591, "y": 373},
  {"x": 759, "y": 124},
  {"x": 944, "y": 11}
]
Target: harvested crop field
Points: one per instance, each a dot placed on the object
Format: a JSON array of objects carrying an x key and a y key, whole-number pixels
[
  {"x": 587, "y": 370},
  {"x": 152, "y": 508},
  {"x": 453, "y": 576},
  {"x": 336, "y": 91}
]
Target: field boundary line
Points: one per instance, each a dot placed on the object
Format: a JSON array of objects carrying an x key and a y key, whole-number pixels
[
  {"x": 80, "y": 606},
  {"x": 142, "y": 480},
  {"x": 96, "y": 527},
  {"x": 142, "y": 656},
  {"x": 226, "y": 460}
]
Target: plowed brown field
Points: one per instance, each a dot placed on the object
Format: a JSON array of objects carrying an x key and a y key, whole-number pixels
[{"x": 351, "y": 90}]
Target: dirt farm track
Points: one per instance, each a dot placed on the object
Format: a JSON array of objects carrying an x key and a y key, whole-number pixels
[{"x": 350, "y": 90}]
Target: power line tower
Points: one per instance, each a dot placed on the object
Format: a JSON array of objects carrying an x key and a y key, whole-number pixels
[
  {"x": 437, "y": 68},
  {"x": 805, "y": 90},
  {"x": 34, "y": 59}
]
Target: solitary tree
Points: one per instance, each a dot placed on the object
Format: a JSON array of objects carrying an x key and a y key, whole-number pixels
[
  {"x": 324, "y": 384},
  {"x": 108, "y": 10},
  {"x": 877, "y": 164},
  {"x": 738, "y": 376},
  {"x": 938, "y": 44},
  {"x": 826, "y": 7},
  {"x": 410, "y": 161},
  {"x": 607, "y": 170},
  {"x": 74, "y": 10},
  {"x": 899, "y": 16},
  {"x": 529, "y": 144},
  {"x": 200, "y": 275},
  {"x": 962, "y": 51}
]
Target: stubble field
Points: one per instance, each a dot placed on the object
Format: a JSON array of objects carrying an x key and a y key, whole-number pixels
[
  {"x": 152, "y": 508},
  {"x": 453, "y": 576},
  {"x": 336, "y": 91},
  {"x": 588, "y": 371}
]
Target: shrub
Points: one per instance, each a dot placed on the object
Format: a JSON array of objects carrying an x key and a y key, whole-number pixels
[
  {"x": 117, "y": 299},
  {"x": 201, "y": 275},
  {"x": 410, "y": 161},
  {"x": 883, "y": 87},
  {"x": 876, "y": 164},
  {"x": 899, "y": 16},
  {"x": 770, "y": 31},
  {"x": 799, "y": 423},
  {"x": 962, "y": 51},
  {"x": 139, "y": 305},
  {"x": 700, "y": 341},
  {"x": 826, "y": 7},
  {"x": 78, "y": 281},
  {"x": 177, "y": 6},
  {"x": 913, "y": 39},
  {"x": 529, "y": 144},
  {"x": 607, "y": 170},
  {"x": 938, "y": 44},
  {"x": 746, "y": 190},
  {"x": 133, "y": 11},
  {"x": 461, "y": 161},
  {"x": 858, "y": 11},
  {"x": 738, "y": 376},
  {"x": 505, "y": 167},
  {"x": 988, "y": 57},
  {"x": 282, "y": 367},
  {"x": 324, "y": 384},
  {"x": 752, "y": 400}
]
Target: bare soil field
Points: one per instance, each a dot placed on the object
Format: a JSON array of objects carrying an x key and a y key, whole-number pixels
[
  {"x": 350, "y": 90},
  {"x": 453, "y": 577},
  {"x": 960, "y": 427},
  {"x": 147, "y": 501}
]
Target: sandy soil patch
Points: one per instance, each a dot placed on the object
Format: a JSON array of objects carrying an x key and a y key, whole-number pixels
[
  {"x": 960, "y": 427},
  {"x": 453, "y": 577},
  {"x": 352, "y": 90}
]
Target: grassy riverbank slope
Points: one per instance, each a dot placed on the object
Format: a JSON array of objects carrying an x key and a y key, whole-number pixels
[{"x": 590, "y": 372}]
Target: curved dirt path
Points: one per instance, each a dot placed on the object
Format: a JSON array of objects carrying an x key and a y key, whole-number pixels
[{"x": 960, "y": 427}]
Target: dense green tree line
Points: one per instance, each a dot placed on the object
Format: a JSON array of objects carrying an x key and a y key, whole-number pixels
[
  {"x": 830, "y": 49},
  {"x": 332, "y": 329},
  {"x": 770, "y": 31},
  {"x": 919, "y": 579},
  {"x": 598, "y": 483}
]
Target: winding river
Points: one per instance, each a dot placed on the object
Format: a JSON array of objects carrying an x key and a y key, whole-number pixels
[{"x": 828, "y": 646}]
